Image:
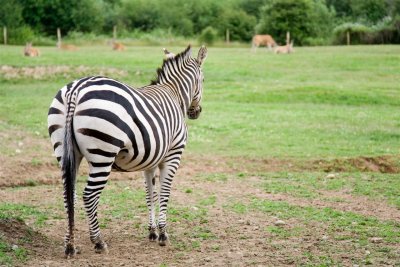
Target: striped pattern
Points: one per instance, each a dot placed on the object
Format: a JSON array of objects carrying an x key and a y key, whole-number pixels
[{"x": 116, "y": 127}]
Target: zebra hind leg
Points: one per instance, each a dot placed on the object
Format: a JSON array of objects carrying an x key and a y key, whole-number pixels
[
  {"x": 167, "y": 173},
  {"x": 151, "y": 198},
  {"x": 91, "y": 195}
]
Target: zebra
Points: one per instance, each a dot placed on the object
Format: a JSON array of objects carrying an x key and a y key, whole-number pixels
[{"x": 119, "y": 128}]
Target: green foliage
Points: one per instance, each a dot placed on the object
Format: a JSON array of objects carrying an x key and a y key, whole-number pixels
[
  {"x": 342, "y": 7},
  {"x": 208, "y": 36},
  {"x": 47, "y": 16},
  {"x": 310, "y": 21},
  {"x": 385, "y": 31},
  {"x": 11, "y": 13},
  {"x": 368, "y": 10},
  {"x": 239, "y": 23},
  {"x": 20, "y": 35}
]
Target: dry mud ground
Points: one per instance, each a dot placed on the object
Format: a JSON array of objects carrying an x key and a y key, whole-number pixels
[{"x": 233, "y": 239}]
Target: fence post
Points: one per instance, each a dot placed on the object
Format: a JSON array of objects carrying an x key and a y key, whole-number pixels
[
  {"x": 348, "y": 37},
  {"x": 58, "y": 38},
  {"x": 227, "y": 36},
  {"x": 5, "y": 35},
  {"x": 287, "y": 38}
]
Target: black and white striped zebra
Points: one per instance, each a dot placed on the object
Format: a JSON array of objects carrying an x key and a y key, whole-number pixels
[{"x": 116, "y": 127}]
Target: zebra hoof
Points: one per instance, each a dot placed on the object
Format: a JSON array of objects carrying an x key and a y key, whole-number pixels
[
  {"x": 101, "y": 248},
  {"x": 153, "y": 236},
  {"x": 162, "y": 239},
  {"x": 70, "y": 251}
]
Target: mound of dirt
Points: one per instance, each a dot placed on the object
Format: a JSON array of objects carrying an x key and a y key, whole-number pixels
[
  {"x": 16, "y": 232},
  {"x": 382, "y": 164}
]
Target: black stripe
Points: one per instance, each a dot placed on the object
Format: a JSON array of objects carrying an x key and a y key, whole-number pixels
[
  {"x": 116, "y": 98},
  {"x": 53, "y": 128},
  {"x": 101, "y": 136},
  {"x": 100, "y": 164},
  {"x": 101, "y": 152},
  {"x": 55, "y": 111},
  {"x": 99, "y": 174},
  {"x": 78, "y": 83},
  {"x": 58, "y": 159},
  {"x": 56, "y": 145},
  {"x": 118, "y": 168},
  {"x": 93, "y": 183},
  {"x": 59, "y": 97},
  {"x": 111, "y": 118}
]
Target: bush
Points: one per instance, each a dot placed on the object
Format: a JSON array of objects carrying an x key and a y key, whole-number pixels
[
  {"x": 208, "y": 36},
  {"x": 19, "y": 36},
  {"x": 240, "y": 24},
  {"x": 384, "y": 32}
]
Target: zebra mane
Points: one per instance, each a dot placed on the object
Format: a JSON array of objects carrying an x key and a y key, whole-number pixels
[{"x": 177, "y": 59}]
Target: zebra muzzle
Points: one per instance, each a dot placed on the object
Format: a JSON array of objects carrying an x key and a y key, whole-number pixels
[{"x": 194, "y": 112}]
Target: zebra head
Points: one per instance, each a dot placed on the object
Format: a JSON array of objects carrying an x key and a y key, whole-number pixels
[
  {"x": 183, "y": 72},
  {"x": 195, "y": 107}
]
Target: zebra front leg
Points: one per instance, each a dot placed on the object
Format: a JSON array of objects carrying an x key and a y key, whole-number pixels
[
  {"x": 97, "y": 181},
  {"x": 151, "y": 198},
  {"x": 167, "y": 173}
]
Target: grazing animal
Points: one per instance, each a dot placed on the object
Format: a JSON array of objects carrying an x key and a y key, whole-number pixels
[
  {"x": 120, "y": 128},
  {"x": 262, "y": 40},
  {"x": 30, "y": 51},
  {"x": 68, "y": 47},
  {"x": 285, "y": 49},
  {"x": 118, "y": 46}
]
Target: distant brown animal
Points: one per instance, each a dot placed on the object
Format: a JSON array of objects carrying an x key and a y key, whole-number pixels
[
  {"x": 263, "y": 40},
  {"x": 66, "y": 46},
  {"x": 118, "y": 46},
  {"x": 285, "y": 49},
  {"x": 30, "y": 51}
]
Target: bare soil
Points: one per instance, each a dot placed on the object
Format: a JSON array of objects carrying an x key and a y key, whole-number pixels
[
  {"x": 46, "y": 72},
  {"x": 239, "y": 239}
]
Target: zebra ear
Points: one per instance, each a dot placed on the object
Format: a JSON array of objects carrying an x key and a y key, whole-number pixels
[{"x": 202, "y": 55}]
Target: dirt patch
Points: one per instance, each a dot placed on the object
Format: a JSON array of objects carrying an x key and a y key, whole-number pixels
[
  {"x": 382, "y": 164},
  {"x": 18, "y": 235},
  {"x": 235, "y": 239},
  {"x": 46, "y": 72}
]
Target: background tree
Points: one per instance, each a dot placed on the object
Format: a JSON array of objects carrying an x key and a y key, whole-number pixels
[
  {"x": 301, "y": 17},
  {"x": 240, "y": 24},
  {"x": 370, "y": 11}
]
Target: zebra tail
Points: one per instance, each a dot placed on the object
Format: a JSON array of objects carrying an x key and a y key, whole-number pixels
[{"x": 69, "y": 172}]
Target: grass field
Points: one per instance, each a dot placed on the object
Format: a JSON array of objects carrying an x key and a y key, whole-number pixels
[{"x": 311, "y": 138}]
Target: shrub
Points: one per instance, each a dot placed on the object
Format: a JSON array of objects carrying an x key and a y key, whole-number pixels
[
  {"x": 19, "y": 36},
  {"x": 208, "y": 36},
  {"x": 385, "y": 31}
]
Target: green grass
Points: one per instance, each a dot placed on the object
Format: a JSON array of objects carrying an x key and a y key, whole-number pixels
[
  {"x": 9, "y": 253},
  {"x": 319, "y": 102},
  {"x": 23, "y": 212},
  {"x": 341, "y": 225},
  {"x": 376, "y": 186}
]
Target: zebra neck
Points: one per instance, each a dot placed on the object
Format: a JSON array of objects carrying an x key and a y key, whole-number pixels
[
  {"x": 169, "y": 90},
  {"x": 180, "y": 93}
]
